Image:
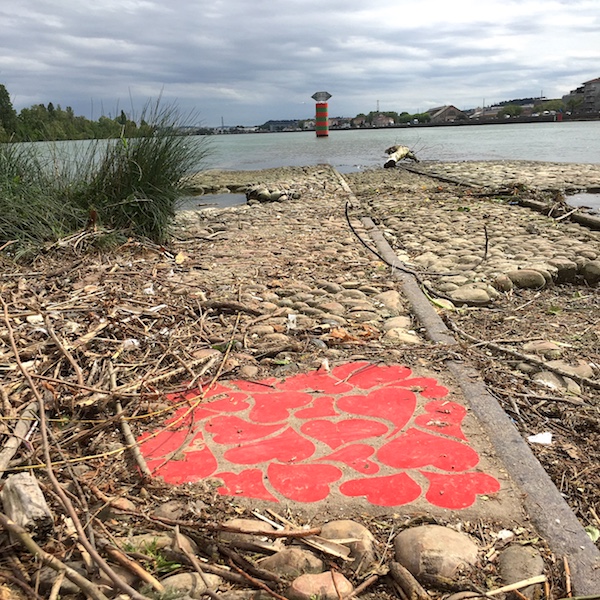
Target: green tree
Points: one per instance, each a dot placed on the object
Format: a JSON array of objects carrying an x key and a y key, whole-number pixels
[
  {"x": 510, "y": 110},
  {"x": 8, "y": 115},
  {"x": 557, "y": 105}
]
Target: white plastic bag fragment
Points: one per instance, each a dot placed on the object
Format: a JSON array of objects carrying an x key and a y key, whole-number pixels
[{"x": 541, "y": 438}]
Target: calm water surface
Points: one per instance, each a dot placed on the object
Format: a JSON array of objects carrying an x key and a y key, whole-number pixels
[{"x": 353, "y": 150}]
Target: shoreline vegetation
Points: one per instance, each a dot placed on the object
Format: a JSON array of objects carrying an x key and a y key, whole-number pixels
[{"x": 128, "y": 185}]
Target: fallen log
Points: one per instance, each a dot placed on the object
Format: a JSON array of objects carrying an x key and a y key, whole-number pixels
[{"x": 396, "y": 154}]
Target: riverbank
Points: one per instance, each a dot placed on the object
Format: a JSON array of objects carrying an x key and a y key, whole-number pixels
[{"x": 276, "y": 291}]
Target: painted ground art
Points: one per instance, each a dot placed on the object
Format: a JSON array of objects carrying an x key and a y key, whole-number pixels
[{"x": 361, "y": 430}]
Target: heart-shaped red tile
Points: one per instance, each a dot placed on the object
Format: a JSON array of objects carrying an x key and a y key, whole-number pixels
[
  {"x": 271, "y": 408},
  {"x": 248, "y": 483},
  {"x": 286, "y": 447},
  {"x": 336, "y": 434},
  {"x": 321, "y": 407},
  {"x": 197, "y": 406},
  {"x": 443, "y": 417},
  {"x": 458, "y": 490},
  {"x": 391, "y": 490},
  {"x": 193, "y": 462},
  {"x": 396, "y": 405},
  {"x": 365, "y": 375},
  {"x": 356, "y": 457},
  {"x": 415, "y": 449},
  {"x": 303, "y": 483},
  {"x": 233, "y": 430},
  {"x": 159, "y": 446}
]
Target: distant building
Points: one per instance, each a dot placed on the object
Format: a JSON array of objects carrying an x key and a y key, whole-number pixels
[
  {"x": 380, "y": 120},
  {"x": 584, "y": 99},
  {"x": 446, "y": 114},
  {"x": 283, "y": 125}
]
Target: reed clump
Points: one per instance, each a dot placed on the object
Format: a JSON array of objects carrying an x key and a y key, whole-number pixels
[{"x": 127, "y": 185}]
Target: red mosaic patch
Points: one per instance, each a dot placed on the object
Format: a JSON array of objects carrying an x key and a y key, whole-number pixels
[{"x": 362, "y": 430}]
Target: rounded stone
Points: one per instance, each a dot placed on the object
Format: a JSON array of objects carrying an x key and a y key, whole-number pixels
[
  {"x": 567, "y": 270},
  {"x": 543, "y": 347},
  {"x": 517, "y": 563},
  {"x": 402, "y": 336},
  {"x": 335, "y": 308},
  {"x": 400, "y": 322},
  {"x": 191, "y": 583},
  {"x": 579, "y": 369},
  {"x": 503, "y": 283},
  {"x": 527, "y": 278},
  {"x": 391, "y": 300},
  {"x": 362, "y": 550},
  {"x": 293, "y": 562},
  {"x": 321, "y": 586},
  {"x": 591, "y": 272},
  {"x": 157, "y": 541},
  {"x": 469, "y": 294},
  {"x": 435, "y": 550}
]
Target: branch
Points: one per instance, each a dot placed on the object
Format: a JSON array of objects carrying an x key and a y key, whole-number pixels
[{"x": 81, "y": 582}]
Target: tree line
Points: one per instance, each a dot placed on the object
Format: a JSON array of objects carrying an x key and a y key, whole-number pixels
[{"x": 50, "y": 122}]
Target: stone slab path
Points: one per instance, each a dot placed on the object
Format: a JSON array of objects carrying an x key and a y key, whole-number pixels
[{"x": 347, "y": 406}]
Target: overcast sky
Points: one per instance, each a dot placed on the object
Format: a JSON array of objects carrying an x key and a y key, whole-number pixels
[{"x": 247, "y": 61}]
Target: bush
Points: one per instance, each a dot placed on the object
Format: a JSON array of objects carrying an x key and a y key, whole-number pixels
[{"x": 129, "y": 184}]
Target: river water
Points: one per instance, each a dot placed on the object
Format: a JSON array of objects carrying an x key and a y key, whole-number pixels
[{"x": 355, "y": 149}]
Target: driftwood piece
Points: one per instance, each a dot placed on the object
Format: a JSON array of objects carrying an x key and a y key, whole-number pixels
[
  {"x": 28, "y": 418},
  {"x": 91, "y": 590},
  {"x": 410, "y": 586},
  {"x": 25, "y": 505},
  {"x": 396, "y": 154}
]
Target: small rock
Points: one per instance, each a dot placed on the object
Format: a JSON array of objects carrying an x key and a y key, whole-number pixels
[
  {"x": 332, "y": 288},
  {"x": 363, "y": 316},
  {"x": 173, "y": 509},
  {"x": 580, "y": 369},
  {"x": 521, "y": 562},
  {"x": 567, "y": 270},
  {"x": 402, "y": 336},
  {"x": 191, "y": 584},
  {"x": 335, "y": 308},
  {"x": 158, "y": 541},
  {"x": 543, "y": 347},
  {"x": 527, "y": 278},
  {"x": 503, "y": 283},
  {"x": 249, "y": 372},
  {"x": 550, "y": 380},
  {"x": 362, "y": 551},
  {"x": 321, "y": 586},
  {"x": 392, "y": 300},
  {"x": 293, "y": 562},
  {"x": 591, "y": 272},
  {"x": 401, "y": 322},
  {"x": 260, "y": 330},
  {"x": 435, "y": 550},
  {"x": 468, "y": 294},
  {"x": 47, "y": 577}
]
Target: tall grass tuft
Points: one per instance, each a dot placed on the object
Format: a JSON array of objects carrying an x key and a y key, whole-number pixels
[
  {"x": 136, "y": 183},
  {"x": 32, "y": 209},
  {"x": 132, "y": 185}
]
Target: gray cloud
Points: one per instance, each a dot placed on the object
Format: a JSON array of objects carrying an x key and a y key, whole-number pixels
[{"x": 249, "y": 62}]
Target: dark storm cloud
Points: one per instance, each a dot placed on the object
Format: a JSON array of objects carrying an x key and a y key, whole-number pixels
[{"x": 248, "y": 62}]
